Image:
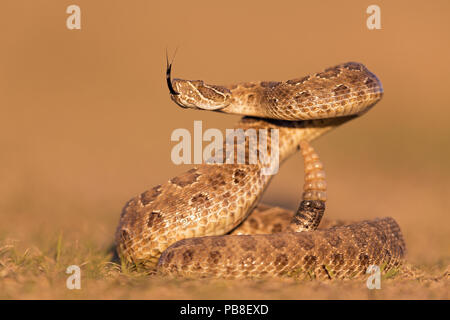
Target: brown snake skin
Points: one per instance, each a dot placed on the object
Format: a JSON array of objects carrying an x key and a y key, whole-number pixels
[{"x": 198, "y": 225}]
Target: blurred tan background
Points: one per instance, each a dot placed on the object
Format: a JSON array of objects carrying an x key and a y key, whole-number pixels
[{"x": 86, "y": 119}]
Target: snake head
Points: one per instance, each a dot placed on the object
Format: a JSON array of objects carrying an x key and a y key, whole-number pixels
[{"x": 196, "y": 94}]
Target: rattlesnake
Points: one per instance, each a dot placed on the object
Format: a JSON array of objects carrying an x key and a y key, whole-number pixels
[{"x": 197, "y": 225}]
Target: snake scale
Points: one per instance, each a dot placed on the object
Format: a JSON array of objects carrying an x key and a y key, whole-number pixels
[{"x": 198, "y": 224}]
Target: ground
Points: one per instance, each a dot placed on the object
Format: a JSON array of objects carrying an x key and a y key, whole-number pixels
[{"x": 34, "y": 274}]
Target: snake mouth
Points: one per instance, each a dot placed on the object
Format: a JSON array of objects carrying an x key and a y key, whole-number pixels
[{"x": 175, "y": 98}]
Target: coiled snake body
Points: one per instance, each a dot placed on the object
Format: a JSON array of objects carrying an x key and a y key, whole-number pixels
[{"x": 197, "y": 225}]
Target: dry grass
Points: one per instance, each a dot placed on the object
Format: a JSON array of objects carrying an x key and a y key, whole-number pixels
[{"x": 32, "y": 273}]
